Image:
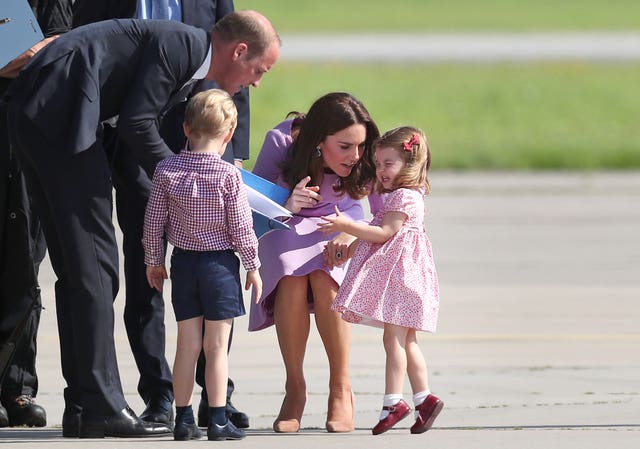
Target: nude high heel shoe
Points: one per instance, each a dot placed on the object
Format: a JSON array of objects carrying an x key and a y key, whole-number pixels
[
  {"x": 288, "y": 420},
  {"x": 340, "y": 425}
]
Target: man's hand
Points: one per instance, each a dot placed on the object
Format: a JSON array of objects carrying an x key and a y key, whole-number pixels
[{"x": 12, "y": 69}]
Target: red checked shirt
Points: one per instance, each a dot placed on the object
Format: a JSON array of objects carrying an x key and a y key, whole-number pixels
[{"x": 199, "y": 202}]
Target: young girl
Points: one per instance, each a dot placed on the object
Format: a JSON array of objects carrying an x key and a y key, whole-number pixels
[
  {"x": 392, "y": 281},
  {"x": 198, "y": 202}
]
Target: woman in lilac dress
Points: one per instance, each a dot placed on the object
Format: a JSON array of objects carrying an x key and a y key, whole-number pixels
[{"x": 328, "y": 162}]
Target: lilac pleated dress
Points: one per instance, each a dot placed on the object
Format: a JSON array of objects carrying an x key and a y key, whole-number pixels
[{"x": 295, "y": 252}]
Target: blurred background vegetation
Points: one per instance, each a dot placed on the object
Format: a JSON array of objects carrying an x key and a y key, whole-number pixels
[{"x": 522, "y": 115}]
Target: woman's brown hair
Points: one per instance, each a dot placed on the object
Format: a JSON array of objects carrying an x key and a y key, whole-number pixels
[{"x": 329, "y": 114}]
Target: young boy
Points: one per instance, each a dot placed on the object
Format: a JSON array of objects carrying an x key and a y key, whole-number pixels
[{"x": 199, "y": 203}]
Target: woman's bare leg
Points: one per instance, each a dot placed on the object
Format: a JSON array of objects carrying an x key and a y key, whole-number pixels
[
  {"x": 336, "y": 337},
  {"x": 291, "y": 316}
]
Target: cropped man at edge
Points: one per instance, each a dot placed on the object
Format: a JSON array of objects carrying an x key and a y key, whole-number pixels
[{"x": 22, "y": 248}]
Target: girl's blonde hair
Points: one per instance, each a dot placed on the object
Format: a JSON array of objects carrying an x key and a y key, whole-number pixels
[
  {"x": 211, "y": 113},
  {"x": 412, "y": 144}
]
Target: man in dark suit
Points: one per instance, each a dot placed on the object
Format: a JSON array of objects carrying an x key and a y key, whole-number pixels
[
  {"x": 144, "y": 307},
  {"x": 131, "y": 71},
  {"x": 22, "y": 249}
]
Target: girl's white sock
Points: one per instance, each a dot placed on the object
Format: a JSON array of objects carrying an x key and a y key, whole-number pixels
[
  {"x": 387, "y": 401},
  {"x": 418, "y": 399}
]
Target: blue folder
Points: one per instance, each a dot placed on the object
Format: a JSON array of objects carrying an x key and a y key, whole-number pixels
[
  {"x": 19, "y": 29},
  {"x": 267, "y": 207}
]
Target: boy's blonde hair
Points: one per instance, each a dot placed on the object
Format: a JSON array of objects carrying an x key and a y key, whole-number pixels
[
  {"x": 412, "y": 144},
  {"x": 211, "y": 113}
]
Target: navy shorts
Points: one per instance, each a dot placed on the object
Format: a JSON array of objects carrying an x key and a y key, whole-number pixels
[{"x": 206, "y": 283}]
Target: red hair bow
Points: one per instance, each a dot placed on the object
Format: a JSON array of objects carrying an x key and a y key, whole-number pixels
[{"x": 408, "y": 145}]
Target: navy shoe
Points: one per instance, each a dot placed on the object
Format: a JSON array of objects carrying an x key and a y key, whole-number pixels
[
  {"x": 216, "y": 432},
  {"x": 183, "y": 432}
]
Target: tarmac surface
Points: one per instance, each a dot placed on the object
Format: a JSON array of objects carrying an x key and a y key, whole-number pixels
[{"x": 538, "y": 337}]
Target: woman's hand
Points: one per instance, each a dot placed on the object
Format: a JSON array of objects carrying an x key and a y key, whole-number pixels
[
  {"x": 336, "y": 251},
  {"x": 156, "y": 276},
  {"x": 303, "y": 196}
]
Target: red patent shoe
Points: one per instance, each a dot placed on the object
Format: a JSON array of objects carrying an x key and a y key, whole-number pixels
[
  {"x": 427, "y": 413},
  {"x": 396, "y": 413}
]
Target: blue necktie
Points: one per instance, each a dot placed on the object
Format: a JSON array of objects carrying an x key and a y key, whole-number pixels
[{"x": 160, "y": 9}]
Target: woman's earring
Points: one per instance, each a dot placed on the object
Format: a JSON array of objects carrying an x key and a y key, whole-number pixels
[{"x": 318, "y": 151}]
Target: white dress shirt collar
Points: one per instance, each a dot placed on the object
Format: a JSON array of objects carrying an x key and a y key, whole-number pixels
[{"x": 204, "y": 68}]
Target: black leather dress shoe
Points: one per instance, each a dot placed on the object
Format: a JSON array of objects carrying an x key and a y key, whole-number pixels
[
  {"x": 23, "y": 411},
  {"x": 216, "y": 432},
  {"x": 158, "y": 411},
  {"x": 4, "y": 418},
  {"x": 124, "y": 424},
  {"x": 71, "y": 421}
]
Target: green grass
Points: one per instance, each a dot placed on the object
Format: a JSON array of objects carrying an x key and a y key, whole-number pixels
[
  {"x": 354, "y": 16},
  {"x": 496, "y": 116},
  {"x": 501, "y": 116}
]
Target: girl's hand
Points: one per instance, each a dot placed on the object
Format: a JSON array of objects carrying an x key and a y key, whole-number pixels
[
  {"x": 156, "y": 276},
  {"x": 337, "y": 250},
  {"x": 333, "y": 224},
  {"x": 303, "y": 196},
  {"x": 253, "y": 278}
]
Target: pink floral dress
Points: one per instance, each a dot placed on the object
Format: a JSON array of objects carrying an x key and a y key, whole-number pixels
[{"x": 394, "y": 282}]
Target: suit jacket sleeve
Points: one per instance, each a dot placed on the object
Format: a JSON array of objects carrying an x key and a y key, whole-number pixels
[{"x": 159, "y": 83}]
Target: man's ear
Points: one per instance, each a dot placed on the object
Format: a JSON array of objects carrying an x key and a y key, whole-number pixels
[
  {"x": 240, "y": 50},
  {"x": 186, "y": 129}
]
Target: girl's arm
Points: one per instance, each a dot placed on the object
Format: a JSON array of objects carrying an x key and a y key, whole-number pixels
[{"x": 391, "y": 223}]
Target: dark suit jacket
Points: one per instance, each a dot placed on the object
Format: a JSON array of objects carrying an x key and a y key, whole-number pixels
[
  {"x": 133, "y": 69},
  {"x": 199, "y": 13}
]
